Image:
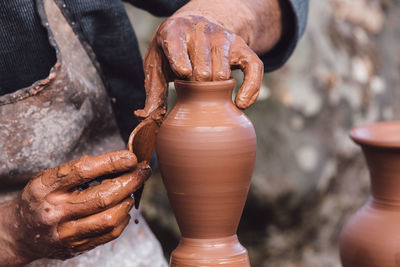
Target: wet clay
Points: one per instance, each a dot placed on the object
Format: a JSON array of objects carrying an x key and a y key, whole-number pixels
[
  {"x": 206, "y": 149},
  {"x": 142, "y": 142},
  {"x": 201, "y": 43},
  {"x": 52, "y": 220},
  {"x": 370, "y": 237}
]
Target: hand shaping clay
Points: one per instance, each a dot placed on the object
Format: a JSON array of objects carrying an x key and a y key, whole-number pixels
[{"x": 206, "y": 149}]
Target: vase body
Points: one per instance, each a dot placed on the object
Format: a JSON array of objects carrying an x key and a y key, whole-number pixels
[
  {"x": 371, "y": 238},
  {"x": 206, "y": 150}
]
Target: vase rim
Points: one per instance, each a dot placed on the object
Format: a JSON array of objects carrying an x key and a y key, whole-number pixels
[
  {"x": 230, "y": 81},
  {"x": 379, "y": 134}
]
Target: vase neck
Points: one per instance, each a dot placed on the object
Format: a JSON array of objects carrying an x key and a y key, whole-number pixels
[
  {"x": 204, "y": 92},
  {"x": 384, "y": 166}
]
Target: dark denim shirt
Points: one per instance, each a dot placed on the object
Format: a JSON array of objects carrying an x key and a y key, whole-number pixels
[{"x": 26, "y": 55}]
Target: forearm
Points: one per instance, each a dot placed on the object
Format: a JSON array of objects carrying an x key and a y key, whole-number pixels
[
  {"x": 258, "y": 22},
  {"x": 8, "y": 253}
]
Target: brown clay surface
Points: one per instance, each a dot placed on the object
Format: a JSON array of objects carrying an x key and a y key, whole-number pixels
[
  {"x": 142, "y": 140},
  {"x": 382, "y": 134},
  {"x": 226, "y": 251},
  {"x": 206, "y": 150},
  {"x": 370, "y": 238}
]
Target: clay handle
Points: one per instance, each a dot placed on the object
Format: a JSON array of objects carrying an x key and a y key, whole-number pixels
[{"x": 143, "y": 140}]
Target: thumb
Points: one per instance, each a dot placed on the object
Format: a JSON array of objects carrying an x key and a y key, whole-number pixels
[{"x": 155, "y": 85}]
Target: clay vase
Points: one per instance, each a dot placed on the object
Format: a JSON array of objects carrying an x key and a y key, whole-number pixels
[
  {"x": 206, "y": 149},
  {"x": 371, "y": 238}
]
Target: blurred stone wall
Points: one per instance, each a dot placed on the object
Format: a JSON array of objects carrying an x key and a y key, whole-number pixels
[{"x": 309, "y": 177}]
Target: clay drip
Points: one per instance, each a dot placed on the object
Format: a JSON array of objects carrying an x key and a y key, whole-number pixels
[
  {"x": 369, "y": 238},
  {"x": 206, "y": 151}
]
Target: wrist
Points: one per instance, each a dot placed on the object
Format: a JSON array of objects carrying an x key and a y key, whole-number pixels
[
  {"x": 10, "y": 235},
  {"x": 211, "y": 10}
]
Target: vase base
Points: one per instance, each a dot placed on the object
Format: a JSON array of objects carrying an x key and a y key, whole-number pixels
[{"x": 225, "y": 251}]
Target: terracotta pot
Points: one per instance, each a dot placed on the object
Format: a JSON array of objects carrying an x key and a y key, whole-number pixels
[
  {"x": 371, "y": 238},
  {"x": 206, "y": 150}
]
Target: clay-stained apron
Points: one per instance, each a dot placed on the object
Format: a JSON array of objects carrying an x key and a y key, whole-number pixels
[{"x": 63, "y": 117}]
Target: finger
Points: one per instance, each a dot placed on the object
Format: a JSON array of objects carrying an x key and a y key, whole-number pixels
[
  {"x": 91, "y": 243},
  {"x": 155, "y": 84},
  {"x": 175, "y": 49},
  {"x": 95, "y": 225},
  {"x": 220, "y": 58},
  {"x": 110, "y": 192},
  {"x": 252, "y": 66},
  {"x": 87, "y": 168},
  {"x": 200, "y": 54}
]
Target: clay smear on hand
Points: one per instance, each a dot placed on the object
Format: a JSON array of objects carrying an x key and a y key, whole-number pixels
[
  {"x": 53, "y": 220},
  {"x": 194, "y": 48}
]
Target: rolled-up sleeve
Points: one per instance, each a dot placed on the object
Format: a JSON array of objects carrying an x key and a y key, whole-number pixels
[
  {"x": 294, "y": 23},
  {"x": 160, "y": 8}
]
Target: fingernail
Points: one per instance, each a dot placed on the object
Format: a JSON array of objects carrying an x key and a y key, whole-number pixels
[
  {"x": 128, "y": 160},
  {"x": 140, "y": 113},
  {"x": 242, "y": 104}
]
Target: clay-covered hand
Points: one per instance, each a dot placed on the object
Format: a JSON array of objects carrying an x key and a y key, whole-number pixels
[
  {"x": 194, "y": 48},
  {"x": 54, "y": 219}
]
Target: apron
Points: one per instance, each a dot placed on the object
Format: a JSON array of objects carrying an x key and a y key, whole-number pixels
[{"x": 60, "y": 118}]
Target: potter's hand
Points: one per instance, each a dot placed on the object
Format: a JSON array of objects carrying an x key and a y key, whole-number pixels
[
  {"x": 194, "y": 48},
  {"x": 53, "y": 219}
]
